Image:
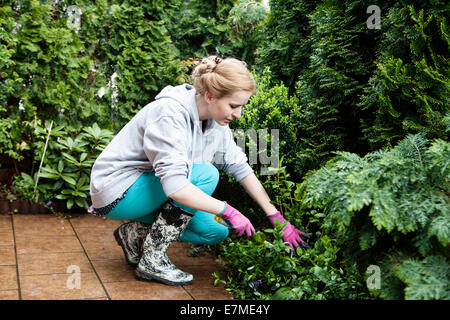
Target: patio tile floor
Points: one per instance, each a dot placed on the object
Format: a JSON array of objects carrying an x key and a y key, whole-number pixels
[{"x": 44, "y": 257}]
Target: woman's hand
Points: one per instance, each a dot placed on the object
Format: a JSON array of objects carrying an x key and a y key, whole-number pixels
[
  {"x": 291, "y": 234},
  {"x": 237, "y": 221}
]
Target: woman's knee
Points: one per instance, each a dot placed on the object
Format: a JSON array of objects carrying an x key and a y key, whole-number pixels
[
  {"x": 216, "y": 235},
  {"x": 205, "y": 176}
]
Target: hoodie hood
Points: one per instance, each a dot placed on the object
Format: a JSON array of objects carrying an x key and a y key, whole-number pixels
[{"x": 185, "y": 95}]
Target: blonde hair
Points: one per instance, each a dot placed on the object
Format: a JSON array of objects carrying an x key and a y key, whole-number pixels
[{"x": 222, "y": 76}]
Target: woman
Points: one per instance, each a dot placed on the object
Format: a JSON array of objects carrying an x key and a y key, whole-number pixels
[{"x": 161, "y": 169}]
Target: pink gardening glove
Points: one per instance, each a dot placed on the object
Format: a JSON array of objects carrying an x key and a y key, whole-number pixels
[
  {"x": 237, "y": 221},
  {"x": 291, "y": 235}
]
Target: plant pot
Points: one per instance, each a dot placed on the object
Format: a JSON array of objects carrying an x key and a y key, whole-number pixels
[
  {"x": 34, "y": 208},
  {"x": 59, "y": 206},
  {"x": 23, "y": 206},
  {"x": 14, "y": 206},
  {"x": 43, "y": 209},
  {"x": 4, "y": 206}
]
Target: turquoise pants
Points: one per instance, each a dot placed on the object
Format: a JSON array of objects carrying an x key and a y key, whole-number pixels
[{"x": 146, "y": 196}]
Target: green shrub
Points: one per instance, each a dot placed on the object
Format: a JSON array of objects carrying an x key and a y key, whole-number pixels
[
  {"x": 285, "y": 47},
  {"x": 262, "y": 268},
  {"x": 271, "y": 108},
  {"x": 339, "y": 67},
  {"x": 387, "y": 208},
  {"x": 245, "y": 23},
  {"x": 199, "y": 28},
  {"x": 408, "y": 92},
  {"x": 142, "y": 52},
  {"x": 67, "y": 164}
]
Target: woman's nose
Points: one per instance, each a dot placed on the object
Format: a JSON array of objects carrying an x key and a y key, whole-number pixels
[{"x": 237, "y": 113}]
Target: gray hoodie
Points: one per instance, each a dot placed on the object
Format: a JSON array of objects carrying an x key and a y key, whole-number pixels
[{"x": 166, "y": 137}]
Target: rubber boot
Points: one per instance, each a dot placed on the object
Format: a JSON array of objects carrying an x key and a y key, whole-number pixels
[
  {"x": 154, "y": 263},
  {"x": 130, "y": 236}
]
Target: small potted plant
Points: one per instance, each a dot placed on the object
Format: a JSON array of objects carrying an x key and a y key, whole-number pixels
[
  {"x": 27, "y": 194},
  {"x": 4, "y": 202}
]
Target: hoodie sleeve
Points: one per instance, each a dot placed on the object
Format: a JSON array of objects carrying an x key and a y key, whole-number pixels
[
  {"x": 231, "y": 159},
  {"x": 166, "y": 147}
]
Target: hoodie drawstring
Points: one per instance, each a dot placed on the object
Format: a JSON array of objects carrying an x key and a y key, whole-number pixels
[{"x": 193, "y": 152}]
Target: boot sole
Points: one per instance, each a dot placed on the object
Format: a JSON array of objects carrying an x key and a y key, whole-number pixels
[
  {"x": 144, "y": 276},
  {"x": 119, "y": 242}
]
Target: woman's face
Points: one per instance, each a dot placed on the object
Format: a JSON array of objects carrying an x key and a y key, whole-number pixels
[{"x": 227, "y": 108}]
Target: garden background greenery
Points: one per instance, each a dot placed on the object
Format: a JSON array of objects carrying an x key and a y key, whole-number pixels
[{"x": 363, "y": 115}]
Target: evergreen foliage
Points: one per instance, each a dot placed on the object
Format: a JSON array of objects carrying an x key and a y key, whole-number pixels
[
  {"x": 340, "y": 64},
  {"x": 272, "y": 108},
  {"x": 199, "y": 28},
  {"x": 385, "y": 202},
  {"x": 409, "y": 90},
  {"x": 244, "y": 29},
  {"x": 142, "y": 52},
  {"x": 285, "y": 47}
]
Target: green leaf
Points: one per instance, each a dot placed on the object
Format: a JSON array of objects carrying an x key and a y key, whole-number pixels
[
  {"x": 60, "y": 166},
  {"x": 426, "y": 279},
  {"x": 440, "y": 227},
  {"x": 81, "y": 203},
  {"x": 69, "y": 180}
]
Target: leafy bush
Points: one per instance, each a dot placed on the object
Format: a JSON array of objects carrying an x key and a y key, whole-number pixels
[
  {"x": 271, "y": 108},
  {"x": 263, "y": 267},
  {"x": 199, "y": 28},
  {"x": 65, "y": 173},
  {"x": 245, "y": 22},
  {"x": 387, "y": 208},
  {"x": 285, "y": 47},
  {"x": 340, "y": 65}
]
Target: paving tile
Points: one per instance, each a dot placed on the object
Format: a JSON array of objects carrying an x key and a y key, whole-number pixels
[
  {"x": 34, "y": 244},
  {"x": 95, "y": 234},
  {"x": 114, "y": 270},
  {"x": 179, "y": 244},
  {"x": 7, "y": 255},
  {"x": 6, "y": 238},
  {"x": 180, "y": 256},
  {"x": 61, "y": 287},
  {"x": 5, "y": 222},
  {"x": 145, "y": 290},
  {"x": 50, "y": 263},
  {"x": 9, "y": 294},
  {"x": 203, "y": 277},
  {"x": 91, "y": 221},
  {"x": 48, "y": 245},
  {"x": 99, "y": 244},
  {"x": 210, "y": 294},
  {"x": 103, "y": 250},
  {"x": 8, "y": 278},
  {"x": 41, "y": 224}
]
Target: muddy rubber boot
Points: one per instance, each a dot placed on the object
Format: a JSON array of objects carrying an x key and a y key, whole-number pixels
[
  {"x": 130, "y": 236},
  {"x": 154, "y": 263}
]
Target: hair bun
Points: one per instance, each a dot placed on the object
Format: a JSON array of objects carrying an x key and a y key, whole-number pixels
[{"x": 207, "y": 65}]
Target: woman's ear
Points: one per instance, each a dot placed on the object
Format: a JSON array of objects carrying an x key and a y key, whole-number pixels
[{"x": 208, "y": 97}]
